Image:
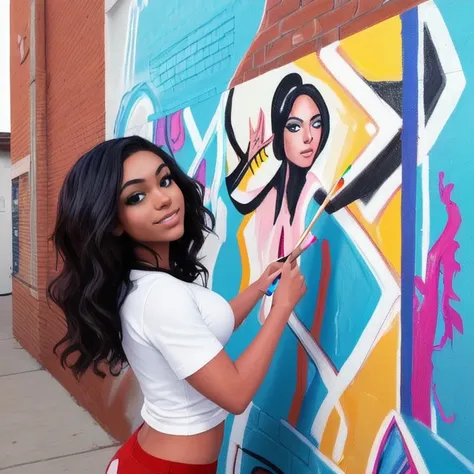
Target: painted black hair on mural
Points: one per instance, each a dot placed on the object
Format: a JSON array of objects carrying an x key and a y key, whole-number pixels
[
  {"x": 95, "y": 277},
  {"x": 290, "y": 88}
]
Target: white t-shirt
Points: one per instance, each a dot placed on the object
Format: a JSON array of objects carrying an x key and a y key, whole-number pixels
[{"x": 171, "y": 329}]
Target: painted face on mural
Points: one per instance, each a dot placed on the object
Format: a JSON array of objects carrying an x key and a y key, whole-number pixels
[
  {"x": 302, "y": 133},
  {"x": 151, "y": 205}
]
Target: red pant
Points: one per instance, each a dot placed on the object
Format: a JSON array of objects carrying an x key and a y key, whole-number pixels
[{"x": 131, "y": 459}]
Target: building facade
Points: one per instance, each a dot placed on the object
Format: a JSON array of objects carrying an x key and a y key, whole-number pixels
[{"x": 370, "y": 374}]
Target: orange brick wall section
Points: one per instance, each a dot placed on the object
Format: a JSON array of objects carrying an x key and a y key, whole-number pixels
[
  {"x": 292, "y": 29},
  {"x": 71, "y": 118},
  {"x": 75, "y": 122}
]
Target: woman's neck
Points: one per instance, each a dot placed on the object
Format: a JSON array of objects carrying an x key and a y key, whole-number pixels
[{"x": 162, "y": 249}]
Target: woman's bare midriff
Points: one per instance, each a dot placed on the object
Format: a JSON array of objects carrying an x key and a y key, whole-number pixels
[{"x": 202, "y": 448}]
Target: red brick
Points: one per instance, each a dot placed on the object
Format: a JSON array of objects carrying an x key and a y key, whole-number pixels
[
  {"x": 305, "y": 14},
  {"x": 237, "y": 80},
  {"x": 390, "y": 9},
  {"x": 299, "y": 52},
  {"x": 338, "y": 17},
  {"x": 283, "y": 9},
  {"x": 251, "y": 74},
  {"x": 269, "y": 66},
  {"x": 246, "y": 64},
  {"x": 329, "y": 37},
  {"x": 259, "y": 57},
  {"x": 272, "y": 3},
  {"x": 278, "y": 47},
  {"x": 367, "y": 5},
  {"x": 264, "y": 37},
  {"x": 304, "y": 33}
]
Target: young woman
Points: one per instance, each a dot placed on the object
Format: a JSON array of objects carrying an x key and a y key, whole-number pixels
[{"x": 129, "y": 228}]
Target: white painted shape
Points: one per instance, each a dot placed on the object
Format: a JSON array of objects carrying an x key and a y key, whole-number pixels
[
  {"x": 219, "y": 166},
  {"x": 192, "y": 128},
  {"x": 327, "y": 373},
  {"x": 451, "y": 65},
  {"x": 140, "y": 112},
  {"x": 468, "y": 464},
  {"x": 116, "y": 40},
  {"x": 205, "y": 142},
  {"x": 408, "y": 439},
  {"x": 236, "y": 439},
  {"x": 371, "y": 129},
  {"x": 388, "y": 121},
  {"x": 341, "y": 438},
  {"x": 315, "y": 353},
  {"x": 390, "y": 292}
]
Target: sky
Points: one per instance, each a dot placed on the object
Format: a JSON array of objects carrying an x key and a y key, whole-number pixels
[{"x": 4, "y": 65}]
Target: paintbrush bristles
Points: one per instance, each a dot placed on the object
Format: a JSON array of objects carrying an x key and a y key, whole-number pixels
[{"x": 319, "y": 212}]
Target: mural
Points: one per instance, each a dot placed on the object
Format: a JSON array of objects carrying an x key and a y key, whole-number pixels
[{"x": 373, "y": 372}]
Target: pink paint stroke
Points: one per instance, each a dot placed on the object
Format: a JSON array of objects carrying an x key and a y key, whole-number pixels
[
  {"x": 391, "y": 426},
  {"x": 177, "y": 133},
  {"x": 440, "y": 261},
  {"x": 160, "y": 132},
  {"x": 175, "y": 139},
  {"x": 200, "y": 175},
  {"x": 444, "y": 417}
]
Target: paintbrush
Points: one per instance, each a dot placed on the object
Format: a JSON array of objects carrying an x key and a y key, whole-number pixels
[{"x": 299, "y": 248}]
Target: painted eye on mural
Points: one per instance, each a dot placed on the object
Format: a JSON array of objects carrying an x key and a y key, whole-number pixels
[
  {"x": 316, "y": 123},
  {"x": 293, "y": 127}
]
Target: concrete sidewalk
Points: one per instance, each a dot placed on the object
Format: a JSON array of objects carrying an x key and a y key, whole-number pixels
[{"x": 42, "y": 429}]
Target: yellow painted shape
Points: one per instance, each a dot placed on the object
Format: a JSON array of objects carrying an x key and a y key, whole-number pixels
[
  {"x": 255, "y": 165},
  {"x": 330, "y": 433},
  {"x": 353, "y": 116},
  {"x": 376, "y": 53},
  {"x": 386, "y": 232},
  {"x": 369, "y": 398},
  {"x": 244, "y": 256}
]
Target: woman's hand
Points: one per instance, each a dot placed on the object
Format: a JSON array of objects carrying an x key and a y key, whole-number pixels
[
  {"x": 256, "y": 140},
  {"x": 267, "y": 277},
  {"x": 291, "y": 287}
]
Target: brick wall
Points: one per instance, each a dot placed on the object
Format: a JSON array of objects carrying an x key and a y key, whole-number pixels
[
  {"x": 75, "y": 122},
  {"x": 70, "y": 118},
  {"x": 292, "y": 29}
]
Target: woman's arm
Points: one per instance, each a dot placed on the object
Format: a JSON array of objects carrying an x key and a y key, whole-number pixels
[
  {"x": 246, "y": 300},
  {"x": 233, "y": 385}
]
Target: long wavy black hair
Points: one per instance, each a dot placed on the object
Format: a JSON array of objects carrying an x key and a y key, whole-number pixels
[{"x": 95, "y": 276}]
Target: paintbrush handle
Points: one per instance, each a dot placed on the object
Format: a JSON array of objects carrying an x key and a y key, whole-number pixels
[{"x": 316, "y": 217}]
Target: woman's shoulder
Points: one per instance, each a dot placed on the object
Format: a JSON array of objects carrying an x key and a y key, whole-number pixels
[{"x": 157, "y": 280}]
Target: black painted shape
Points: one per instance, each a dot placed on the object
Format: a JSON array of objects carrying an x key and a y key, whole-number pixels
[
  {"x": 434, "y": 81},
  {"x": 390, "y": 92},
  {"x": 366, "y": 184}
]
